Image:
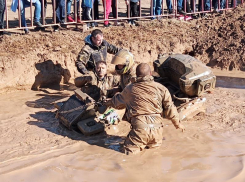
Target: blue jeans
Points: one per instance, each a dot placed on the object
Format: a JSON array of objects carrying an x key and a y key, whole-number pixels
[
  {"x": 206, "y": 5},
  {"x": 2, "y": 9},
  {"x": 157, "y": 6},
  {"x": 60, "y": 10},
  {"x": 37, "y": 13},
  {"x": 216, "y": 4},
  {"x": 69, "y": 2},
  {"x": 180, "y": 5}
]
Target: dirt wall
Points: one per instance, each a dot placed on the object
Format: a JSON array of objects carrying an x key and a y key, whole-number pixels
[{"x": 217, "y": 41}]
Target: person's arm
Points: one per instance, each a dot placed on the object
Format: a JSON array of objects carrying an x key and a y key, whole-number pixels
[
  {"x": 111, "y": 49},
  {"x": 170, "y": 110},
  {"x": 117, "y": 101},
  {"x": 82, "y": 60},
  {"x": 113, "y": 91},
  {"x": 85, "y": 79}
]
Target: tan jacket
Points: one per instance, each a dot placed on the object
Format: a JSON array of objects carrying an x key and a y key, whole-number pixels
[
  {"x": 146, "y": 97},
  {"x": 95, "y": 87}
]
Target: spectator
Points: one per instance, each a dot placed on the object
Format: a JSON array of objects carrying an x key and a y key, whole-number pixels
[
  {"x": 107, "y": 10},
  {"x": 60, "y": 13},
  {"x": 233, "y": 5},
  {"x": 44, "y": 5},
  {"x": 204, "y": 5},
  {"x": 2, "y": 10},
  {"x": 94, "y": 50},
  {"x": 24, "y": 4},
  {"x": 69, "y": 18},
  {"x": 87, "y": 6},
  {"x": 215, "y": 4},
  {"x": 133, "y": 10},
  {"x": 180, "y": 7},
  {"x": 114, "y": 10},
  {"x": 157, "y": 7},
  {"x": 68, "y": 10},
  {"x": 96, "y": 9},
  {"x": 190, "y": 7}
]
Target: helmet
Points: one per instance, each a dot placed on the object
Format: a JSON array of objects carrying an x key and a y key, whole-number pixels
[{"x": 123, "y": 57}]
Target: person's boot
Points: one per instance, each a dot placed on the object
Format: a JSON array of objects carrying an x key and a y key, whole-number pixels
[
  {"x": 38, "y": 24},
  {"x": 78, "y": 20},
  {"x": 69, "y": 18}
]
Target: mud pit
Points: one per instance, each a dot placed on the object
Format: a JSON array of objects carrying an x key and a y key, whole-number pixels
[{"x": 34, "y": 147}]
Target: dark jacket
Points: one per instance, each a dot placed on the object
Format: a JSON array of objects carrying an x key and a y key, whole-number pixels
[{"x": 90, "y": 54}]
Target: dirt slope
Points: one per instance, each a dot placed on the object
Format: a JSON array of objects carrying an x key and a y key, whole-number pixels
[{"x": 217, "y": 41}]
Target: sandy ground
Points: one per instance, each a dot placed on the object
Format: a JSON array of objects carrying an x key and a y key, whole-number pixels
[{"x": 35, "y": 147}]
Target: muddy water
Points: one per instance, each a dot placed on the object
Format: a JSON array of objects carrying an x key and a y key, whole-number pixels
[
  {"x": 183, "y": 157},
  {"x": 34, "y": 147}
]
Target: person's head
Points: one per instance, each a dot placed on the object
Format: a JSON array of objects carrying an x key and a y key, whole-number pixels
[
  {"x": 101, "y": 69},
  {"x": 142, "y": 70},
  {"x": 123, "y": 60},
  {"x": 97, "y": 37}
]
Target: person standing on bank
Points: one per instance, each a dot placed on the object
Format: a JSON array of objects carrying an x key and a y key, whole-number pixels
[
  {"x": 145, "y": 101},
  {"x": 95, "y": 49},
  {"x": 2, "y": 10}
]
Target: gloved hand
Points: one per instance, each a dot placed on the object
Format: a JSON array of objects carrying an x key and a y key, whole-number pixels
[
  {"x": 89, "y": 78},
  {"x": 107, "y": 102}
]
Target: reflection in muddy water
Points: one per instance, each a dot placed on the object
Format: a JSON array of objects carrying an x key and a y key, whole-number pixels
[{"x": 183, "y": 157}]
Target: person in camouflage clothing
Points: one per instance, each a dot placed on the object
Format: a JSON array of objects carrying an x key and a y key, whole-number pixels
[
  {"x": 125, "y": 67},
  {"x": 95, "y": 49},
  {"x": 146, "y": 102},
  {"x": 98, "y": 84}
]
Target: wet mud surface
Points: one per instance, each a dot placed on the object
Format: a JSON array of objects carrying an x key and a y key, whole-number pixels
[{"x": 34, "y": 146}]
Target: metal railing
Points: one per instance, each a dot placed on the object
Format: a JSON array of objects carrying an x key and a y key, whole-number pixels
[{"x": 145, "y": 11}]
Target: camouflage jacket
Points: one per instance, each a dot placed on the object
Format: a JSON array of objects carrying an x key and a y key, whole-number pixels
[
  {"x": 95, "y": 87},
  {"x": 146, "y": 97},
  {"x": 90, "y": 54}
]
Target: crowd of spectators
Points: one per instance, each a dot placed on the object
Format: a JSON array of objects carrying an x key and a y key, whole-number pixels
[{"x": 90, "y": 11}]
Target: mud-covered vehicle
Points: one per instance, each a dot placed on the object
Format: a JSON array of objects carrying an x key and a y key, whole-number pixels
[
  {"x": 187, "y": 79},
  {"x": 81, "y": 112}
]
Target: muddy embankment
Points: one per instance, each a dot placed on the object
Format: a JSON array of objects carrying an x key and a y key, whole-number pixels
[{"x": 41, "y": 58}]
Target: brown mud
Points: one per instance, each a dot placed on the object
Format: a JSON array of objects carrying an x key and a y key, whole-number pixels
[
  {"x": 35, "y": 147},
  {"x": 217, "y": 41}
]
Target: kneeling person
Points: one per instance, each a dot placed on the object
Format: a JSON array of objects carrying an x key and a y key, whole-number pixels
[{"x": 145, "y": 101}]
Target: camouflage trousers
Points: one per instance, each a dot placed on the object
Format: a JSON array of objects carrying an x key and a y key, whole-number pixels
[{"x": 147, "y": 131}]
